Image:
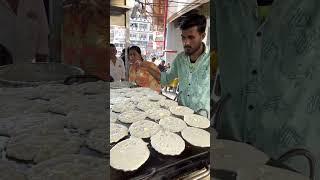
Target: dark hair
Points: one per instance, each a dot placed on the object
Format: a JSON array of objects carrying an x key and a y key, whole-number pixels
[
  {"x": 154, "y": 58},
  {"x": 191, "y": 20},
  {"x": 112, "y": 45},
  {"x": 135, "y": 48}
]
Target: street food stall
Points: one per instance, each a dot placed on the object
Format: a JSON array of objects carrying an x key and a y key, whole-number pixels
[
  {"x": 152, "y": 137},
  {"x": 52, "y": 114}
]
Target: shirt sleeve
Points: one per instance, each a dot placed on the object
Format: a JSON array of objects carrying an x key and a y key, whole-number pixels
[
  {"x": 167, "y": 77},
  {"x": 43, "y": 39}
]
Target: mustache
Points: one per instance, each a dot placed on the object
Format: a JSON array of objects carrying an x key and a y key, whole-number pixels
[{"x": 187, "y": 46}]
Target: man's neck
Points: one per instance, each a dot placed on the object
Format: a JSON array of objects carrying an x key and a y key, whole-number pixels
[{"x": 195, "y": 56}]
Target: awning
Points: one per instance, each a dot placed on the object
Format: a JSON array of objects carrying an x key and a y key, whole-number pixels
[{"x": 195, "y": 4}]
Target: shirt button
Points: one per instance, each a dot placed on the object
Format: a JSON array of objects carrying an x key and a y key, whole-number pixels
[
  {"x": 188, "y": 95},
  {"x": 189, "y": 84},
  {"x": 254, "y": 72},
  {"x": 259, "y": 34},
  {"x": 250, "y": 107}
]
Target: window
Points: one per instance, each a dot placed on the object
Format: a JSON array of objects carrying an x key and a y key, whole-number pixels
[
  {"x": 143, "y": 37},
  {"x": 134, "y": 26},
  {"x": 133, "y": 36},
  {"x": 143, "y": 27}
]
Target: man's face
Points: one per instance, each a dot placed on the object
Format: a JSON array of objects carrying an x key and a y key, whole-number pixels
[
  {"x": 191, "y": 40},
  {"x": 113, "y": 51}
]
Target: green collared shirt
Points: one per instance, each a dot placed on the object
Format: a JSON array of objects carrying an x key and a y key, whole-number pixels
[
  {"x": 272, "y": 71},
  {"x": 194, "y": 81}
]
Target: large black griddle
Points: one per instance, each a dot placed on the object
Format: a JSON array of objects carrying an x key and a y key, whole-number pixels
[
  {"x": 159, "y": 166},
  {"x": 163, "y": 167}
]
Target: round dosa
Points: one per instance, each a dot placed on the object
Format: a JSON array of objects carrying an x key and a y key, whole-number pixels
[
  {"x": 197, "y": 121},
  {"x": 137, "y": 99},
  {"x": 144, "y": 129},
  {"x": 129, "y": 155},
  {"x": 145, "y": 105},
  {"x": 168, "y": 103},
  {"x": 113, "y": 117},
  {"x": 168, "y": 143},
  {"x": 132, "y": 116},
  {"x": 118, "y": 100},
  {"x": 180, "y": 110},
  {"x": 123, "y": 107},
  {"x": 157, "y": 113},
  {"x": 172, "y": 124},
  {"x": 156, "y": 97},
  {"x": 117, "y": 132},
  {"x": 196, "y": 137}
]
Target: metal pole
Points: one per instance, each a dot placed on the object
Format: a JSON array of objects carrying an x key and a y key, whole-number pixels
[
  {"x": 127, "y": 43},
  {"x": 165, "y": 23}
]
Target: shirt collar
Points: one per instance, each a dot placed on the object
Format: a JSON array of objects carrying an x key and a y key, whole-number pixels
[
  {"x": 205, "y": 52},
  {"x": 206, "y": 49}
]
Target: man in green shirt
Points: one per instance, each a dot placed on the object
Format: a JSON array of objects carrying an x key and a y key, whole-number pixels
[
  {"x": 269, "y": 64},
  {"x": 191, "y": 67}
]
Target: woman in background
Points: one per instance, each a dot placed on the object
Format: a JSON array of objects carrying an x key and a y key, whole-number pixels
[{"x": 140, "y": 75}]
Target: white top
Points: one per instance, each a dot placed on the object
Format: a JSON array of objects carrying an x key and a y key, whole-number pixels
[
  {"x": 24, "y": 34},
  {"x": 117, "y": 70}
]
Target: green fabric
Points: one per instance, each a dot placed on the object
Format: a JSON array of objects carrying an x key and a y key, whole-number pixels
[
  {"x": 285, "y": 90},
  {"x": 194, "y": 81}
]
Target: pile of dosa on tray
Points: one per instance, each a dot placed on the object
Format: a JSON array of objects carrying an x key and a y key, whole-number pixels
[{"x": 141, "y": 115}]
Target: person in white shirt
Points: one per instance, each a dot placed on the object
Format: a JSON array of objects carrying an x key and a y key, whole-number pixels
[
  {"x": 117, "y": 70},
  {"x": 24, "y": 30}
]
